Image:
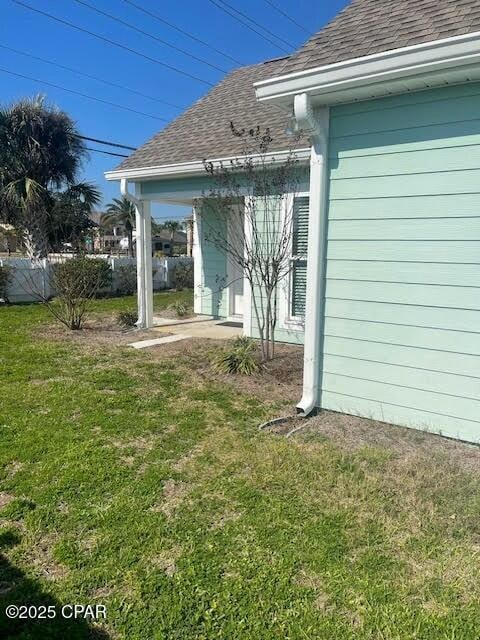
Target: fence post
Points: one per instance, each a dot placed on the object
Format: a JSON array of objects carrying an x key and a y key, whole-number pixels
[{"x": 45, "y": 279}]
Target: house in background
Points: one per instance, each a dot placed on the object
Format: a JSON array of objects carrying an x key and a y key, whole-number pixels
[
  {"x": 389, "y": 96},
  {"x": 108, "y": 240},
  {"x": 9, "y": 242},
  {"x": 162, "y": 241}
]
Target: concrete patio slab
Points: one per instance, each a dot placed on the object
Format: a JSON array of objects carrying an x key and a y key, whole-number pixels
[
  {"x": 142, "y": 344},
  {"x": 204, "y": 329},
  {"x": 166, "y": 322}
]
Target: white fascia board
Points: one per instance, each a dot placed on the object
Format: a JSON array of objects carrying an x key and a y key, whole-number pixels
[
  {"x": 198, "y": 168},
  {"x": 445, "y": 55}
]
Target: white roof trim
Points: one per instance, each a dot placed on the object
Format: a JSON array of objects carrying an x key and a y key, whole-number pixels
[
  {"x": 197, "y": 168},
  {"x": 327, "y": 83}
]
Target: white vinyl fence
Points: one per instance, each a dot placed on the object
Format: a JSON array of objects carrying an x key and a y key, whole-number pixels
[{"x": 32, "y": 281}]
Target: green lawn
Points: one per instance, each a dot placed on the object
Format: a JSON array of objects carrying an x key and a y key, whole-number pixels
[{"x": 131, "y": 480}]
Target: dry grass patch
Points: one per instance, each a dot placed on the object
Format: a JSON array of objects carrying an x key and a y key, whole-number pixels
[
  {"x": 5, "y": 498},
  {"x": 167, "y": 559},
  {"x": 40, "y": 557},
  {"x": 353, "y": 433},
  {"x": 174, "y": 495}
]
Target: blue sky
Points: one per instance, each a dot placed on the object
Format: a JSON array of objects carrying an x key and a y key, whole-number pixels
[{"x": 35, "y": 34}]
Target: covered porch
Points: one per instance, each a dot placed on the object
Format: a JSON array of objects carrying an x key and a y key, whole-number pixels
[{"x": 219, "y": 285}]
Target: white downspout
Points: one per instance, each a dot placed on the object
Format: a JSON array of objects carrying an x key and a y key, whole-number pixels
[
  {"x": 317, "y": 125},
  {"x": 145, "y": 315}
]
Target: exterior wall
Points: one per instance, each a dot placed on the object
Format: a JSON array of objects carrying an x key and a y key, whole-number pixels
[
  {"x": 213, "y": 295},
  {"x": 402, "y": 325}
]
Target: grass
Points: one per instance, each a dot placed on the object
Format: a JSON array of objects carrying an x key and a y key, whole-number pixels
[{"x": 129, "y": 480}]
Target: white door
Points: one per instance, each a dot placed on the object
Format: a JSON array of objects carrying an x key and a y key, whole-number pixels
[{"x": 235, "y": 270}]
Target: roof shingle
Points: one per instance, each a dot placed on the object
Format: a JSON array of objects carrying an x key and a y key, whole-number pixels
[
  {"x": 366, "y": 27},
  {"x": 203, "y": 130}
]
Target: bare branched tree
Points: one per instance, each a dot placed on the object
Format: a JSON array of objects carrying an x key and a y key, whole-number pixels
[{"x": 248, "y": 215}]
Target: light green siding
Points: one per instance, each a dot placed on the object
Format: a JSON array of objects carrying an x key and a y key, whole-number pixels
[
  {"x": 402, "y": 325},
  {"x": 214, "y": 270}
]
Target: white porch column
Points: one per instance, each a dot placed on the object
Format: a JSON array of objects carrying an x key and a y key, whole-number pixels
[
  {"x": 317, "y": 124},
  {"x": 147, "y": 259},
  {"x": 143, "y": 236},
  {"x": 197, "y": 262},
  {"x": 139, "y": 249}
]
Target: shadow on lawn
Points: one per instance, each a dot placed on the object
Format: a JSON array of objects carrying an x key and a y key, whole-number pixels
[{"x": 17, "y": 589}]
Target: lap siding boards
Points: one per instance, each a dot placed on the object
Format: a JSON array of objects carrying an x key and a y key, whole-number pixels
[{"x": 402, "y": 325}]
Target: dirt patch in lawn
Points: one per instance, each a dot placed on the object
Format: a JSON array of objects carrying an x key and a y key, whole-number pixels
[
  {"x": 174, "y": 493},
  {"x": 5, "y": 498},
  {"x": 277, "y": 381},
  {"x": 97, "y": 331},
  {"x": 353, "y": 434}
]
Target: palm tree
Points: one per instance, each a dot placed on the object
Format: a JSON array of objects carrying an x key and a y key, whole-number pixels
[
  {"x": 71, "y": 217},
  {"x": 41, "y": 152},
  {"x": 172, "y": 226},
  {"x": 122, "y": 212}
]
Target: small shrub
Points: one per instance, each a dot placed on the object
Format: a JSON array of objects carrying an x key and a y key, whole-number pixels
[
  {"x": 127, "y": 319},
  {"x": 239, "y": 356},
  {"x": 5, "y": 277},
  {"x": 127, "y": 279},
  {"x": 77, "y": 282},
  {"x": 180, "y": 308},
  {"x": 183, "y": 276}
]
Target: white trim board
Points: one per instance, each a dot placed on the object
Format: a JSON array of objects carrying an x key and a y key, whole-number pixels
[
  {"x": 198, "y": 167},
  {"x": 446, "y": 61}
]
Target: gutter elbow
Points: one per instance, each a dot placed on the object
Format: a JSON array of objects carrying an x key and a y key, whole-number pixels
[{"x": 307, "y": 404}]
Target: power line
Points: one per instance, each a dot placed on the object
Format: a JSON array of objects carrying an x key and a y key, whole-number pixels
[
  {"x": 155, "y": 16},
  {"x": 110, "y": 144},
  {"x": 231, "y": 11},
  {"x": 86, "y": 75},
  {"x": 149, "y": 35},
  {"x": 113, "y": 42},
  {"x": 244, "y": 15},
  {"x": 288, "y": 17},
  {"x": 108, "y": 153},
  {"x": 83, "y": 95}
]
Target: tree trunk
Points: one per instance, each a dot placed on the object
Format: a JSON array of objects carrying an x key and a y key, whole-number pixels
[
  {"x": 36, "y": 242},
  {"x": 130, "y": 243}
]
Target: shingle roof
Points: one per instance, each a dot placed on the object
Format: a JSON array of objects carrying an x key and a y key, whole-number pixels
[
  {"x": 365, "y": 27},
  {"x": 203, "y": 130}
]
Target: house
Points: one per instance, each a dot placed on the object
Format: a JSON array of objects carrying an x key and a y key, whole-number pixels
[
  {"x": 109, "y": 239},
  {"x": 8, "y": 239},
  {"x": 164, "y": 242},
  {"x": 389, "y": 94}
]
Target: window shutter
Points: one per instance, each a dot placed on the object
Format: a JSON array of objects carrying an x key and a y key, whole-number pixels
[
  {"x": 299, "y": 255},
  {"x": 299, "y": 288},
  {"x": 300, "y": 227}
]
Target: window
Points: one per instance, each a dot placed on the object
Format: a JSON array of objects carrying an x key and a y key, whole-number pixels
[{"x": 298, "y": 278}]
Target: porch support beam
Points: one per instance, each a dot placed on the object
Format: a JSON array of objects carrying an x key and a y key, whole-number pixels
[
  {"x": 316, "y": 124},
  {"x": 197, "y": 260},
  {"x": 147, "y": 258},
  {"x": 143, "y": 232}
]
